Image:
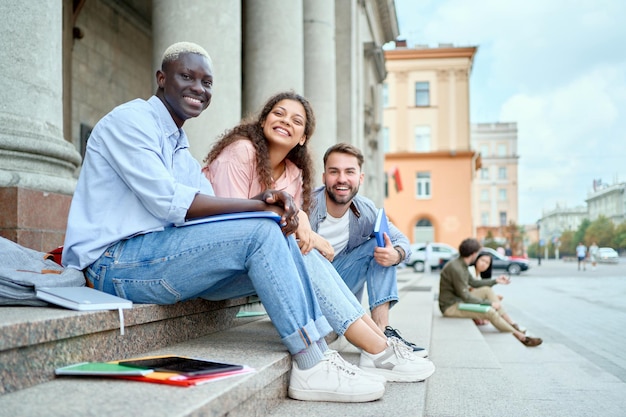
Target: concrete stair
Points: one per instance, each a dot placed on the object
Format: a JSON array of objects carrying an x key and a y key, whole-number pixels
[{"x": 37, "y": 340}]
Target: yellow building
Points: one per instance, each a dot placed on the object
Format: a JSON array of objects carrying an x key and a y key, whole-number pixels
[{"x": 426, "y": 133}]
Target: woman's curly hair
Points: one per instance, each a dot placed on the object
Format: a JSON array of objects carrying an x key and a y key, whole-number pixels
[{"x": 251, "y": 129}]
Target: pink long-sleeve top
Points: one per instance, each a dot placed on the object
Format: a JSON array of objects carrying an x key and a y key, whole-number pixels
[{"x": 233, "y": 174}]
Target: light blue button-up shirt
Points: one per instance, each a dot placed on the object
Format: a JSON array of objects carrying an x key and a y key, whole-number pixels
[{"x": 138, "y": 176}]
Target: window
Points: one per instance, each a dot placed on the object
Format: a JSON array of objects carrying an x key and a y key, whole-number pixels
[
  {"x": 484, "y": 151},
  {"x": 484, "y": 173},
  {"x": 502, "y": 173},
  {"x": 484, "y": 218},
  {"x": 422, "y": 185},
  {"x": 502, "y": 149},
  {"x": 385, "y": 95},
  {"x": 503, "y": 218},
  {"x": 484, "y": 195},
  {"x": 386, "y": 145},
  {"x": 502, "y": 194},
  {"x": 422, "y": 138},
  {"x": 422, "y": 94}
]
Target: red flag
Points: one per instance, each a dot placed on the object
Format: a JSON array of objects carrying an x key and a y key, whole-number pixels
[{"x": 396, "y": 179}]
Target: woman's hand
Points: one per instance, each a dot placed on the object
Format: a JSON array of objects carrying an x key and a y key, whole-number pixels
[
  {"x": 304, "y": 234},
  {"x": 309, "y": 240},
  {"x": 324, "y": 247}
]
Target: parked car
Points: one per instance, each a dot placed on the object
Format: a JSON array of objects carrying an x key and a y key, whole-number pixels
[
  {"x": 607, "y": 255},
  {"x": 440, "y": 254},
  {"x": 513, "y": 265}
]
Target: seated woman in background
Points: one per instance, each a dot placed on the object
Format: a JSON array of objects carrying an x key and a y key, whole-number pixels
[{"x": 486, "y": 263}]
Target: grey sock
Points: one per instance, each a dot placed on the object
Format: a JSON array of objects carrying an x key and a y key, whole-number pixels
[
  {"x": 308, "y": 357},
  {"x": 322, "y": 345}
]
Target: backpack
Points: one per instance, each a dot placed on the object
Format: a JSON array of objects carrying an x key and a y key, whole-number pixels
[{"x": 23, "y": 270}]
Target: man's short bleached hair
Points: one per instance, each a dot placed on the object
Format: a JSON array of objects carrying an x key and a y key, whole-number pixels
[{"x": 174, "y": 51}]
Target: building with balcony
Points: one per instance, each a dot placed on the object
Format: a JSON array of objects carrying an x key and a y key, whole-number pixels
[{"x": 426, "y": 137}]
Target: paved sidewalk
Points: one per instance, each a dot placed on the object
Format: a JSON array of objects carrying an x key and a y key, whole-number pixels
[{"x": 481, "y": 372}]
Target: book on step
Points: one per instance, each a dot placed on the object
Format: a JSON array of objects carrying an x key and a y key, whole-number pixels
[
  {"x": 101, "y": 369},
  {"x": 476, "y": 308},
  {"x": 165, "y": 369},
  {"x": 82, "y": 298},
  {"x": 381, "y": 226}
]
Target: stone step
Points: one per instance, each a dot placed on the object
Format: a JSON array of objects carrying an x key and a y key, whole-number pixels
[
  {"x": 255, "y": 344},
  {"x": 37, "y": 340}
]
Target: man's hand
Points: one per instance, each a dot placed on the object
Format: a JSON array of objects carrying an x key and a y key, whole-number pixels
[
  {"x": 387, "y": 256},
  {"x": 502, "y": 279},
  {"x": 282, "y": 203}
]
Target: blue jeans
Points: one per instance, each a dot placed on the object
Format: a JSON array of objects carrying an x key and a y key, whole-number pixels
[
  {"x": 338, "y": 303},
  {"x": 218, "y": 261},
  {"x": 359, "y": 267}
]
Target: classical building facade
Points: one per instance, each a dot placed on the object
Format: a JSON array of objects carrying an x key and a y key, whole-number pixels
[
  {"x": 426, "y": 133},
  {"x": 608, "y": 201},
  {"x": 560, "y": 219},
  {"x": 496, "y": 185},
  {"x": 66, "y": 63}
]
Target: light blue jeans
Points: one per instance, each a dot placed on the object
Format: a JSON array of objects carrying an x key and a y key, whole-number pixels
[
  {"x": 338, "y": 303},
  {"x": 359, "y": 267},
  {"x": 218, "y": 261}
]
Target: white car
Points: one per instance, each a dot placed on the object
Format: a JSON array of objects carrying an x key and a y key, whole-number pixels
[
  {"x": 607, "y": 255},
  {"x": 439, "y": 252}
]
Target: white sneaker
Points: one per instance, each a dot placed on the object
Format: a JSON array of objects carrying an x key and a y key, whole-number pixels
[
  {"x": 397, "y": 363},
  {"x": 334, "y": 379}
]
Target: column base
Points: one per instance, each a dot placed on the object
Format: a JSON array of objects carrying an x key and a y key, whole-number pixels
[{"x": 32, "y": 218}]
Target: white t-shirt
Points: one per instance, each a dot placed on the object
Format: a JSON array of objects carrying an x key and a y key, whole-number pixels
[{"x": 336, "y": 231}]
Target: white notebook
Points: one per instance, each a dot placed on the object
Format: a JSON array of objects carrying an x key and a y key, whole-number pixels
[{"x": 82, "y": 298}]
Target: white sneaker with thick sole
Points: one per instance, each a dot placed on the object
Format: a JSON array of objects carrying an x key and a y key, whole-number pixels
[
  {"x": 334, "y": 379},
  {"x": 397, "y": 363}
]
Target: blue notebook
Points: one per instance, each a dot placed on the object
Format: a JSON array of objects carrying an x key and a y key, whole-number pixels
[
  {"x": 381, "y": 226},
  {"x": 232, "y": 216}
]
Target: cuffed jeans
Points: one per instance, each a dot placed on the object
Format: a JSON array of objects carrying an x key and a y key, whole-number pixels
[
  {"x": 218, "y": 261},
  {"x": 359, "y": 267}
]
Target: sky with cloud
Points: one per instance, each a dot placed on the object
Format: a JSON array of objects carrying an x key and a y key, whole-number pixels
[{"x": 558, "y": 69}]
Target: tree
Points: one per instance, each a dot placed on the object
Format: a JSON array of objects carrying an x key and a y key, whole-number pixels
[
  {"x": 490, "y": 242},
  {"x": 579, "y": 236},
  {"x": 619, "y": 237},
  {"x": 514, "y": 237},
  {"x": 601, "y": 231},
  {"x": 568, "y": 243}
]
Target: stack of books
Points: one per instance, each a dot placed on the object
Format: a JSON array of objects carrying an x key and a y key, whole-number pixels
[{"x": 170, "y": 369}]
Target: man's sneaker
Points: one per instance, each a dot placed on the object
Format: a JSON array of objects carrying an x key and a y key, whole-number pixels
[
  {"x": 397, "y": 363},
  {"x": 419, "y": 351},
  {"x": 334, "y": 379}
]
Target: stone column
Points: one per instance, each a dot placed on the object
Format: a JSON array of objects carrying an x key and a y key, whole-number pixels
[
  {"x": 216, "y": 26},
  {"x": 33, "y": 152},
  {"x": 273, "y": 50},
  {"x": 319, "y": 77}
]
